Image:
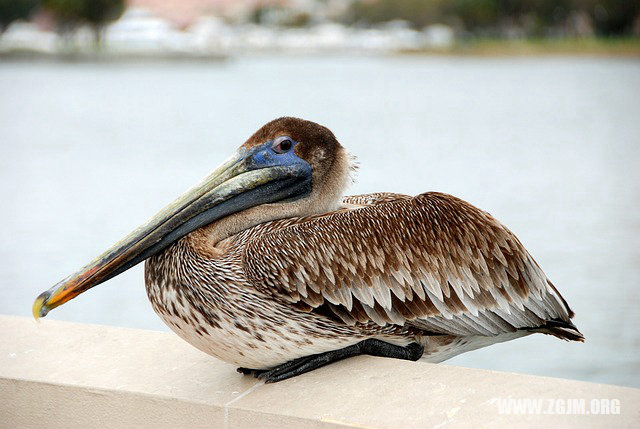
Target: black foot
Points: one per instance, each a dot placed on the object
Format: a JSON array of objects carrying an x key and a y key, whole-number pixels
[
  {"x": 250, "y": 371},
  {"x": 308, "y": 363}
]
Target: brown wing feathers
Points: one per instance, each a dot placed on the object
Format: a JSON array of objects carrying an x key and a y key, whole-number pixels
[{"x": 433, "y": 261}]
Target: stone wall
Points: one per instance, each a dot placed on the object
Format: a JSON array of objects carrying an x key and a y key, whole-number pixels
[{"x": 64, "y": 375}]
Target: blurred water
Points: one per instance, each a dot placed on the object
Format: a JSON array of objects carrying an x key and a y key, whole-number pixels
[{"x": 549, "y": 146}]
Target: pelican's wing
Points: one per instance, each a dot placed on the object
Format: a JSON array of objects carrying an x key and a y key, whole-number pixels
[{"x": 432, "y": 261}]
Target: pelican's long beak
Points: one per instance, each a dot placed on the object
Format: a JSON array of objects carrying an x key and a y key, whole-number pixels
[{"x": 236, "y": 185}]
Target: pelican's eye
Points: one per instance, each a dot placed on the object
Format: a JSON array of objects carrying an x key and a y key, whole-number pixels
[{"x": 282, "y": 144}]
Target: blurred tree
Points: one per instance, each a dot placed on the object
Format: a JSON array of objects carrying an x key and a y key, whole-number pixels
[
  {"x": 278, "y": 15},
  {"x": 67, "y": 15},
  {"x": 533, "y": 17},
  {"x": 478, "y": 15},
  {"x": 70, "y": 14},
  {"x": 540, "y": 16},
  {"x": 13, "y": 10},
  {"x": 613, "y": 17},
  {"x": 258, "y": 14},
  {"x": 300, "y": 19},
  {"x": 417, "y": 12},
  {"x": 497, "y": 17},
  {"x": 98, "y": 13}
]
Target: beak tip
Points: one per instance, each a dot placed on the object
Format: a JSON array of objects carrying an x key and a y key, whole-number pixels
[{"x": 39, "y": 305}]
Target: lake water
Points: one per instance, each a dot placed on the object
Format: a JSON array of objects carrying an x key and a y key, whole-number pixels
[{"x": 550, "y": 146}]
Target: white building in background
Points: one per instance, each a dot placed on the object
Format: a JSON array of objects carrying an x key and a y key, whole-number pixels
[
  {"x": 438, "y": 36},
  {"x": 138, "y": 30},
  {"x": 143, "y": 31},
  {"x": 26, "y": 36}
]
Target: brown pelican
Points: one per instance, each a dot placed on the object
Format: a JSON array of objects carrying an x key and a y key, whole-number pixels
[{"x": 267, "y": 266}]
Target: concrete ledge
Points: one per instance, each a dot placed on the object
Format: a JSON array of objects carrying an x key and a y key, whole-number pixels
[{"x": 58, "y": 374}]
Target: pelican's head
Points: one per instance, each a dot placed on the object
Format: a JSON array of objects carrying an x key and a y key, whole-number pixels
[
  {"x": 314, "y": 150},
  {"x": 290, "y": 167}
]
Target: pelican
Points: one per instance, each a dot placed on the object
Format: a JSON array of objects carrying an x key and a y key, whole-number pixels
[{"x": 266, "y": 265}]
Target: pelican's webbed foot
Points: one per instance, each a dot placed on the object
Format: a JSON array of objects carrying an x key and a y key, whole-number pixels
[{"x": 304, "y": 364}]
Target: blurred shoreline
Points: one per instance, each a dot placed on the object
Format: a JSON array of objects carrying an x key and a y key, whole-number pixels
[
  {"x": 24, "y": 55},
  {"x": 617, "y": 47},
  {"x": 598, "y": 47}
]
